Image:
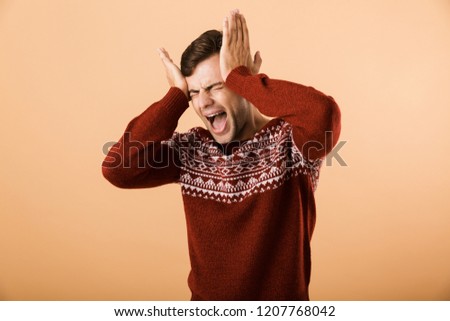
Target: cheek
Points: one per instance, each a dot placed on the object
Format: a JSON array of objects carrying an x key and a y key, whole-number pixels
[
  {"x": 225, "y": 98},
  {"x": 219, "y": 97},
  {"x": 195, "y": 106}
]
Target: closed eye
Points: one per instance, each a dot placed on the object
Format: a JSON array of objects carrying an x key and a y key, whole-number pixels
[
  {"x": 218, "y": 86},
  {"x": 193, "y": 93},
  {"x": 215, "y": 86}
]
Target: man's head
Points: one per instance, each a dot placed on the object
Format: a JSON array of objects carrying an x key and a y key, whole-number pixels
[
  {"x": 225, "y": 114},
  {"x": 206, "y": 45}
]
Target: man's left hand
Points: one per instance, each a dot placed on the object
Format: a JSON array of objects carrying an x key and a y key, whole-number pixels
[{"x": 235, "y": 49}]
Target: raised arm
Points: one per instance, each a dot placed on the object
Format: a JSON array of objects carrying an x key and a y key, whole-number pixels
[
  {"x": 315, "y": 116},
  {"x": 141, "y": 158}
]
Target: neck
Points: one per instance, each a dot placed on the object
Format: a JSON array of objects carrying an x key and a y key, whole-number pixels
[{"x": 256, "y": 122}]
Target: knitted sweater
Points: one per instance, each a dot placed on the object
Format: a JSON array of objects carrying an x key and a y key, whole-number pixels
[{"x": 249, "y": 205}]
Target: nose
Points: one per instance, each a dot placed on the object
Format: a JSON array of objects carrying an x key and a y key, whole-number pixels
[{"x": 204, "y": 99}]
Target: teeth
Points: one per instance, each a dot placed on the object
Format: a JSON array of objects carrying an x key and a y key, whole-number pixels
[
  {"x": 214, "y": 115},
  {"x": 211, "y": 117}
]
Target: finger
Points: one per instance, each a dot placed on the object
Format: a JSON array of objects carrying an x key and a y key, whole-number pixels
[
  {"x": 225, "y": 32},
  {"x": 167, "y": 55},
  {"x": 164, "y": 55},
  {"x": 233, "y": 27},
  {"x": 239, "y": 31},
  {"x": 245, "y": 34}
]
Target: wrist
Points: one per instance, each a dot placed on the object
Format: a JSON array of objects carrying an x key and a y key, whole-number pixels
[{"x": 184, "y": 90}]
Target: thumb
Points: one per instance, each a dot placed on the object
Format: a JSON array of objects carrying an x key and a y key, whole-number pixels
[{"x": 257, "y": 61}]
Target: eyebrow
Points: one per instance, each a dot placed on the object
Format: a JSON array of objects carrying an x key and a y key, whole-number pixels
[{"x": 207, "y": 87}]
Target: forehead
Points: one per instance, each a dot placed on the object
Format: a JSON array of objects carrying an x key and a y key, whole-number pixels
[{"x": 205, "y": 73}]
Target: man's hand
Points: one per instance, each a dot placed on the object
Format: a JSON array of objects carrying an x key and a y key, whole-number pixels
[
  {"x": 173, "y": 73},
  {"x": 235, "y": 49}
]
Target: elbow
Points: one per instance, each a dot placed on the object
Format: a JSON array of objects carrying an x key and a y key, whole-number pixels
[
  {"x": 334, "y": 125},
  {"x": 118, "y": 175},
  {"x": 114, "y": 170},
  {"x": 325, "y": 135},
  {"x": 112, "y": 176},
  {"x": 321, "y": 134}
]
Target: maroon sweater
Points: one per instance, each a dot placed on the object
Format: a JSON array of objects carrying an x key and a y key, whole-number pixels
[{"x": 249, "y": 206}]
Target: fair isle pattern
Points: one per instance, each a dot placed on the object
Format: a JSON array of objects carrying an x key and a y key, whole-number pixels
[{"x": 255, "y": 166}]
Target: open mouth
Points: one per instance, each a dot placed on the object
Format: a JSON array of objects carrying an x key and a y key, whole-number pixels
[{"x": 218, "y": 121}]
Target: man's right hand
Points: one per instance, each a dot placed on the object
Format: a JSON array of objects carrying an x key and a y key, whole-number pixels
[{"x": 173, "y": 73}]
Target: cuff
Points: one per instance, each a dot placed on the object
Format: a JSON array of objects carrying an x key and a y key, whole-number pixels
[{"x": 236, "y": 78}]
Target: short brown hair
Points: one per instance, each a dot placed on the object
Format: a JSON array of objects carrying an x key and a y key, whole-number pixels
[{"x": 206, "y": 45}]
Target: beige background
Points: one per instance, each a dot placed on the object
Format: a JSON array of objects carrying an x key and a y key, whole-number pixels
[{"x": 73, "y": 73}]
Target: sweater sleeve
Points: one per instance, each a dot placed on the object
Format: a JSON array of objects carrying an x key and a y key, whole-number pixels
[
  {"x": 315, "y": 117},
  {"x": 140, "y": 158}
]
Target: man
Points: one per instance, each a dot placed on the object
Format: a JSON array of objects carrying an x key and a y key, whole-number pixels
[{"x": 248, "y": 179}]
